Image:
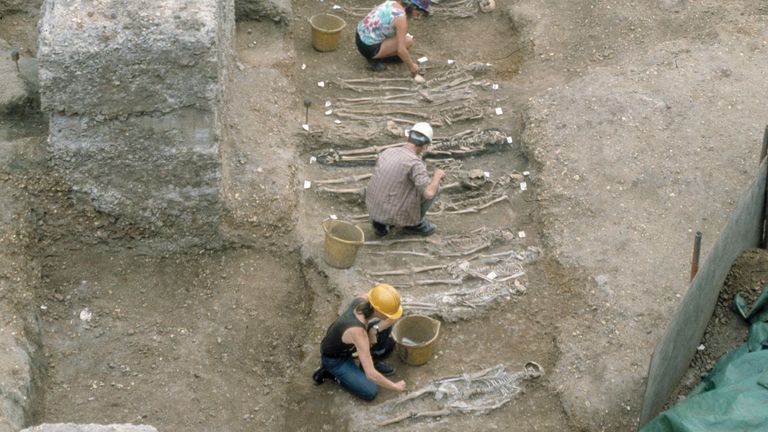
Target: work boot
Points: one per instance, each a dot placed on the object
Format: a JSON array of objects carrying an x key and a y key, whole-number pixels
[
  {"x": 424, "y": 228},
  {"x": 384, "y": 368},
  {"x": 376, "y": 65},
  {"x": 380, "y": 229},
  {"x": 320, "y": 375}
]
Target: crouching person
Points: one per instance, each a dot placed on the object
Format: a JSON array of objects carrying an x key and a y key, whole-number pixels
[{"x": 364, "y": 328}]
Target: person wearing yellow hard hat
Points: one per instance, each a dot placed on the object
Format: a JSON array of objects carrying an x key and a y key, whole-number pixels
[
  {"x": 401, "y": 191},
  {"x": 364, "y": 328}
]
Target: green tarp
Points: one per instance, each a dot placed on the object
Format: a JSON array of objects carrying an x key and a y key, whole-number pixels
[{"x": 733, "y": 397}]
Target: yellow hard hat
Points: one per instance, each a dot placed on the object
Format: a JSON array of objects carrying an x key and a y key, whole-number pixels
[{"x": 386, "y": 300}]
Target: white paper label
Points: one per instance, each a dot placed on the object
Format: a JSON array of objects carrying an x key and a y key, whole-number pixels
[
  {"x": 521, "y": 234},
  {"x": 509, "y": 140},
  {"x": 329, "y": 112},
  {"x": 491, "y": 275},
  {"x": 333, "y": 216},
  {"x": 499, "y": 111},
  {"x": 495, "y": 86},
  {"x": 327, "y": 103},
  {"x": 450, "y": 62},
  {"x": 321, "y": 83},
  {"x": 337, "y": 121},
  {"x": 422, "y": 60},
  {"x": 305, "y": 127},
  {"x": 523, "y": 186},
  {"x": 526, "y": 173},
  {"x": 487, "y": 174},
  {"x": 312, "y": 159},
  {"x": 307, "y": 184}
]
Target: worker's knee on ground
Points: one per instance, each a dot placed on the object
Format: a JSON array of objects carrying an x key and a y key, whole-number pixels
[{"x": 369, "y": 393}]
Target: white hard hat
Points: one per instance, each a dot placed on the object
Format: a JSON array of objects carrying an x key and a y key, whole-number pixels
[{"x": 424, "y": 129}]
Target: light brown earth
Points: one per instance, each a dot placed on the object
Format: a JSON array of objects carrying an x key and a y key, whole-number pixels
[{"x": 640, "y": 123}]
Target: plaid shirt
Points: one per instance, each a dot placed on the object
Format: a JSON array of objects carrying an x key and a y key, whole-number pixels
[{"x": 394, "y": 192}]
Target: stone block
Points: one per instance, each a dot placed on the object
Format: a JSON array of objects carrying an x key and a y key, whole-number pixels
[
  {"x": 143, "y": 56},
  {"x": 160, "y": 172}
]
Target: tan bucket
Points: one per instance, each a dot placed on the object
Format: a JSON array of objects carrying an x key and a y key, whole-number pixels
[
  {"x": 326, "y": 31},
  {"x": 416, "y": 337},
  {"x": 342, "y": 240}
]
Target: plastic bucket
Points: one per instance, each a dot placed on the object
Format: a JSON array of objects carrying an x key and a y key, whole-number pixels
[
  {"x": 416, "y": 337},
  {"x": 326, "y": 31},
  {"x": 342, "y": 240}
]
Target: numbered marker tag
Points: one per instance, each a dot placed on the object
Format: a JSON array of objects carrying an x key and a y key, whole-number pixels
[
  {"x": 305, "y": 127},
  {"x": 450, "y": 62},
  {"x": 321, "y": 83},
  {"x": 521, "y": 234},
  {"x": 495, "y": 87},
  {"x": 499, "y": 111},
  {"x": 337, "y": 121},
  {"x": 487, "y": 174},
  {"x": 307, "y": 184},
  {"x": 422, "y": 60},
  {"x": 333, "y": 216},
  {"x": 526, "y": 173},
  {"x": 312, "y": 159},
  {"x": 329, "y": 112},
  {"x": 491, "y": 275},
  {"x": 523, "y": 186},
  {"x": 509, "y": 140}
]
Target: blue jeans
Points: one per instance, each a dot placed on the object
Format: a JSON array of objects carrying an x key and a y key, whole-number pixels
[{"x": 347, "y": 373}]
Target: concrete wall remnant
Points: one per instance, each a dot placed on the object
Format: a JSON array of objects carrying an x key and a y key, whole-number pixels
[{"x": 135, "y": 92}]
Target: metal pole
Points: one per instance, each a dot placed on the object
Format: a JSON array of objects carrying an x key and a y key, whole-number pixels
[{"x": 696, "y": 253}]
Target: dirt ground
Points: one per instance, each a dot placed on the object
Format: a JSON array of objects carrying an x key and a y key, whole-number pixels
[{"x": 638, "y": 122}]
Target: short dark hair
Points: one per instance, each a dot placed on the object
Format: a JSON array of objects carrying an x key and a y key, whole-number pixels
[{"x": 367, "y": 309}]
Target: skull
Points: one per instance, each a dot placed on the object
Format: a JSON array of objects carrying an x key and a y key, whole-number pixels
[{"x": 487, "y": 5}]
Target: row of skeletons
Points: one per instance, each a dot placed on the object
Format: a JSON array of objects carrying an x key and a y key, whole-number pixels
[{"x": 476, "y": 274}]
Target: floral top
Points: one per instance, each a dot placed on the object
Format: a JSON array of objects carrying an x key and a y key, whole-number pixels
[{"x": 379, "y": 24}]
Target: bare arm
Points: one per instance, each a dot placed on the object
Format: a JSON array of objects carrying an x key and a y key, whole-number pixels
[
  {"x": 401, "y": 29},
  {"x": 360, "y": 339},
  {"x": 431, "y": 190}
]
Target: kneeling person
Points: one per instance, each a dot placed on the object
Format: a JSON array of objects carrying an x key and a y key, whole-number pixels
[
  {"x": 400, "y": 191},
  {"x": 365, "y": 327}
]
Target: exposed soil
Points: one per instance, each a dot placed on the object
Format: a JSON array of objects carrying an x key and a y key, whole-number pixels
[{"x": 228, "y": 339}]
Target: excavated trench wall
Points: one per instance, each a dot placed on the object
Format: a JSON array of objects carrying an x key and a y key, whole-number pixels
[{"x": 134, "y": 95}]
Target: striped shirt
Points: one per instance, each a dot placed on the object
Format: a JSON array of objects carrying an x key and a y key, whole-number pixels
[{"x": 395, "y": 191}]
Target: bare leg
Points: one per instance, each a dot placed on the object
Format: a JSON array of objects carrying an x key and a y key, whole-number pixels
[{"x": 389, "y": 47}]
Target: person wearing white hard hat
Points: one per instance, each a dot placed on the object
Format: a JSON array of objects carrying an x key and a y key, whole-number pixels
[
  {"x": 401, "y": 191},
  {"x": 365, "y": 329}
]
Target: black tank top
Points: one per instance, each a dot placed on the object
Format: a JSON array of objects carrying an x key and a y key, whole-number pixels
[{"x": 332, "y": 344}]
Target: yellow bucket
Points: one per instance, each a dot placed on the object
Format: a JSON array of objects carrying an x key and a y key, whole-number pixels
[
  {"x": 342, "y": 240},
  {"x": 326, "y": 31},
  {"x": 416, "y": 337}
]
